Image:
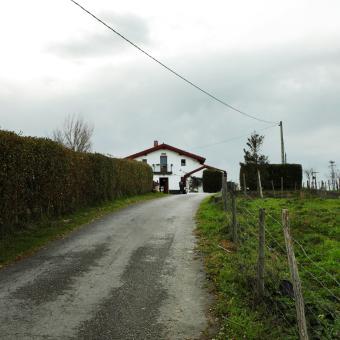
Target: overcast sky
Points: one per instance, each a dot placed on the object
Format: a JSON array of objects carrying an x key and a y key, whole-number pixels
[{"x": 278, "y": 60}]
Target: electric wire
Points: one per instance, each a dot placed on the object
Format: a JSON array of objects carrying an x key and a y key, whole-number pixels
[
  {"x": 231, "y": 139},
  {"x": 170, "y": 69}
]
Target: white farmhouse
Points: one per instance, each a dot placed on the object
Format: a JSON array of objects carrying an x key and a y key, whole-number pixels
[{"x": 174, "y": 169}]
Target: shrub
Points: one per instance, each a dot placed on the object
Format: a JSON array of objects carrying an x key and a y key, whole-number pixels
[
  {"x": 291, "y": 174},
  {"x": 39, "y": 177},
  {"x": 212, "y": 180}
]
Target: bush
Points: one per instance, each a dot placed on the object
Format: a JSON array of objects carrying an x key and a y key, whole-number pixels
[
  {"x": 39, "y": 177},
  {"x": 291, "y": 174},
  {"x": 212, "y": 180}
]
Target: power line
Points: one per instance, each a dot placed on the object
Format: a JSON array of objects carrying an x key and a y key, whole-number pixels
[
  {"x": 231, "y": 139},
  {"x": 170, "y": 69}
]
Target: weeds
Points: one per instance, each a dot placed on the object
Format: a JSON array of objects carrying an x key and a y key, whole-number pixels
[{"x": 315, "y": 225}]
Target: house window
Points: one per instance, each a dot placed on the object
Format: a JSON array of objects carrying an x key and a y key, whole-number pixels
[
  {"x": 183, "y": 162},
  {"x": 144, "y": 160},
  {"x": 163, "y": 163}
]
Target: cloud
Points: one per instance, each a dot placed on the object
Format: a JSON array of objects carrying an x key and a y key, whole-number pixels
[
  {"x": 135, "y": 103},
  {"x": 103, "y": 41}
]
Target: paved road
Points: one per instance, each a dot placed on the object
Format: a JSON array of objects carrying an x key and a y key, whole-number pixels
[{"x": 130, "y": 275}]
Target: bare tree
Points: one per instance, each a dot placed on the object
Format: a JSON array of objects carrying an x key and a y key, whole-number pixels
[
  {"x": 75, "y": 134},
  {"x": 308, "y": 173},
  {"x": 333, "y": 174}
]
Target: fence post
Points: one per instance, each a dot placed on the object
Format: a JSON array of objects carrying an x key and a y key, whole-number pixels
[
  {"x": 244, "y": 184},
  {"x": 281, "y": 186},
  {"x": 234, "y": 218},
  {"x": 259, "y": 183},
  {"x": 273, "y": 187},
  {"x": 260, "y": 263},
  {"x": 294, "y": 273},
  {"x": 224, "y": 191}
]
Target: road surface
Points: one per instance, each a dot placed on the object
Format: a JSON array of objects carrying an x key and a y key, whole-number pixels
[{"x": 130, "y": 275}]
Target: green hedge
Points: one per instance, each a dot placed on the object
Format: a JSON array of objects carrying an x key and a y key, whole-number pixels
[
  {"x": 212, "y": 180},
  {"x": 39, "y": 177},
  {"x": 291, "y": 174}
]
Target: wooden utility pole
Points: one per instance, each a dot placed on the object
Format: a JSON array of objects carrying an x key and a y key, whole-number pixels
[
  {"x": 224, "y": 190},
  {"x": 259, "y": 183},
  {"x": 282, "y": 144},
  {"x": 260, "y": 263},
  {"x": 294, "y": 273}
]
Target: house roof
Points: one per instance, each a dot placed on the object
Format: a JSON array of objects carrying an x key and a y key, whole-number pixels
[{"x": 164, "y": 146}]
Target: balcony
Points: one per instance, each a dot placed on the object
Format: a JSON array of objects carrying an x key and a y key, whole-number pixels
[{"x": 164, "y": 169}]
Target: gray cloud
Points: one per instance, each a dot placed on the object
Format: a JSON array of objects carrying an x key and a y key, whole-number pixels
[
  {"x": 104, "y": 42},
  {"x": 133, "y": 105}
]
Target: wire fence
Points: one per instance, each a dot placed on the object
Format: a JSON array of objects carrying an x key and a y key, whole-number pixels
[{"x": 320, "y": 286}]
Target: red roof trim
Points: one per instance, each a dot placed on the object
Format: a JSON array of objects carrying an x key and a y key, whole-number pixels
[{"x": 167, "y": 147}]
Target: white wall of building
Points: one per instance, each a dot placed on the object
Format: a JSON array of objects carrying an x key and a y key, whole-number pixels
[{"x": 174, "y": 159}]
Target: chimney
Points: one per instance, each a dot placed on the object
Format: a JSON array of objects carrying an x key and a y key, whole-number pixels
[{"x": 155, "y": 143}]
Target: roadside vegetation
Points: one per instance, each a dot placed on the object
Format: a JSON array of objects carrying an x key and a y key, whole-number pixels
[
  {"x": 315, "y": 225},
  {"x": 24, "y": 241}
]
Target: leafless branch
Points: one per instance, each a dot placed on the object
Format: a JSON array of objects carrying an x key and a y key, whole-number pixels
[{"x": 75, "y": 134}]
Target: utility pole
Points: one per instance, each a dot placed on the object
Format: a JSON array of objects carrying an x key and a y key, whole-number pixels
[{"x": 282, "y": 144}]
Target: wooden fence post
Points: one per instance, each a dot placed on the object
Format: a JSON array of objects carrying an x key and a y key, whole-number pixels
[
  {"x": 259, "y": 183},
  {"x": 234, "y": 218},
  {"x": 260, "y": 263},
  {"x": 273, "y": 187},
  {"x": 294, "y": 273},
  {"x": 244, "y": 184},
  {"x": 224, "y": 191}
]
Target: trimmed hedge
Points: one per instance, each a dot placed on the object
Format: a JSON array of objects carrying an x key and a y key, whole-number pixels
[
  {"x": 39, "y": 177},
  {"x": 212, "y": 180},
  {"x": 291, "y": 174}
]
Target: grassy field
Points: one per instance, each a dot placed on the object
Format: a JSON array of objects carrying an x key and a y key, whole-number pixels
[
  {"x": 315, "y": 224},
  {"x": 31, "y": 238}
]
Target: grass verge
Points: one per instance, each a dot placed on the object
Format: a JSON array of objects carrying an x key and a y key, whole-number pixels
[
  {"x": 25, "y": 242},
  {"x": 315, "y": 224}
]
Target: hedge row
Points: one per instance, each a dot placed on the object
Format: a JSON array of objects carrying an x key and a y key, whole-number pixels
[
  {"x": 39, "y": 177},
  {"x": 212, "y": 180},
  {"x": 272, "y": 173}
]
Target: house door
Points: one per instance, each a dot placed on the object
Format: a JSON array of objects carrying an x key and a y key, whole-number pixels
[{"x": 164, "y": 184}]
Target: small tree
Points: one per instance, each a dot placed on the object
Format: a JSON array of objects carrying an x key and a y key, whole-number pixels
[
  {"x": 253, "y": 156},
  {"x": 75, "y": 134}
]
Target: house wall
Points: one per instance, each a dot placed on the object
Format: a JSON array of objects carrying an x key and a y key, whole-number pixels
[{"x": 178, "y": 171}]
